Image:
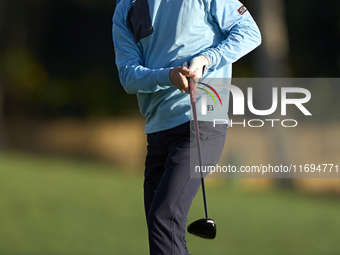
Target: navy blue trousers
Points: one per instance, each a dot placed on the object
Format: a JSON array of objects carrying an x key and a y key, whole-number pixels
[{"x": 168, "y": 189}]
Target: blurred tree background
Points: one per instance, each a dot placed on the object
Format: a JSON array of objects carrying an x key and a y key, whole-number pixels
[{"x": 57, "y": 59}]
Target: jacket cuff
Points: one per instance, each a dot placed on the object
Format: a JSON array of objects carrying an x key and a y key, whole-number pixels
[{"x": 163, "y": 77}]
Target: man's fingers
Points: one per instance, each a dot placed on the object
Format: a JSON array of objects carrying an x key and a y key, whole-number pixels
[
  {"x": 184, "y": 83},
  {"x": 179, "y": 77},
  {"x": 187, "y": 72}
]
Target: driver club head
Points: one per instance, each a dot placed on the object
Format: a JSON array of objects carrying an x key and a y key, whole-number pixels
[{"x": 204, "y": 228}]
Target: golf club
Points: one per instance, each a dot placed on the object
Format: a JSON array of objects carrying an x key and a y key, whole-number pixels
[{"x": 204, "y": 228}]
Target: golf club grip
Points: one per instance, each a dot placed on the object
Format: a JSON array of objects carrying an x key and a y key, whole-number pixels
[
  {"x": 200, "y": 161},
  {"x": 192, "y": 91}
]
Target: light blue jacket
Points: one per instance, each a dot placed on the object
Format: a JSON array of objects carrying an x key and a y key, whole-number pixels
[{"x": 152, "y": 36}]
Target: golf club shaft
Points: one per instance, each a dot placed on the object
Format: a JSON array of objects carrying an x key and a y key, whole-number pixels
[{"x": 194, "y": 111}]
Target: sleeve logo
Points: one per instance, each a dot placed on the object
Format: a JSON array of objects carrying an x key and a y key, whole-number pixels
[{"x": 242, "y": 10}]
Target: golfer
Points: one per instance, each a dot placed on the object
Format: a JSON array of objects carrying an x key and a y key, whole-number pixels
[{"x": 159, "y": 44}]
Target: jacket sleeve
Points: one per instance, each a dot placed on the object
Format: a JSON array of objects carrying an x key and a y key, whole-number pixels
[
  {"x": 134, "y": 76},
  {"x": 240, "y": 29}
]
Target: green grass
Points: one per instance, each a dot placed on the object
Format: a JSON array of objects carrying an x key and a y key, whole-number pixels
[{"x": 52, "y": 206}]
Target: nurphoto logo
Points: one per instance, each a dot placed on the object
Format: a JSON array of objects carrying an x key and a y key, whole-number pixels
[{"x": 240, "y": 101}]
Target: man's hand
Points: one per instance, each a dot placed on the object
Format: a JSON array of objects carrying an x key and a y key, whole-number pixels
[
  {"x": 179, "y": 77},
  {"x": 198, "y": 65}
]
